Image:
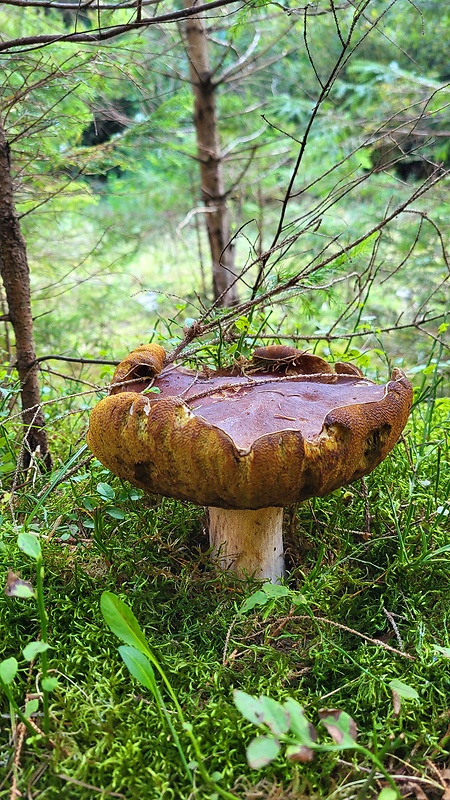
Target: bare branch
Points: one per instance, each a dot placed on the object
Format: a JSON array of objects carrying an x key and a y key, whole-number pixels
[
  {"x": 88, "y": 5},
  {"x": 347, "y": 51},
  {"x": 110, "y": 31},
  {"x": 245, "y": 57},
  {"x": 71, "y": 360},
  {"x": 52, "y": 195},
  {"x": 328, "y": 337},
  {"x": 201, "y": 327}
]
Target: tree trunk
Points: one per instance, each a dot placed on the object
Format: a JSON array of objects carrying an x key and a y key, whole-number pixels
[
  {"x": 211, "y": 163},
  {"x": 15, "y": 274}
]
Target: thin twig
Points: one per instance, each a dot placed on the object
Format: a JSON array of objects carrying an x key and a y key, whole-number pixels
[
  {"x": 109, "y": 31},
  {"x": 84, "y": 785},
  {"x": 327, "y": 377},
  {"x": 395, "y": 627},
  {"x": 69, "y": 473},
  {"x": 365, "y": 494},
  {"x": 20, "y": 736},
  {"x": 50, "y": 371},
  {"x": 227, "y": 639},
  {"x": 327, "y": 337},
  {"x": 339, "y": 625},
  {"x": 399, "y": 778},
  {"x": 71, "y": 360}
]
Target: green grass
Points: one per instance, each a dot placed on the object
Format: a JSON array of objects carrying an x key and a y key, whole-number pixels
[{"x": 108, "y": 736}]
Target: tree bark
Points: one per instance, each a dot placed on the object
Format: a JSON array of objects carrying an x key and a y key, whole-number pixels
[
  {"x": 211, "y": 163},
  {"x": 15, "y": 274}
]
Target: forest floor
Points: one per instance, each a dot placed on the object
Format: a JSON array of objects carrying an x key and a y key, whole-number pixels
[{"x": 360, "y": 624}]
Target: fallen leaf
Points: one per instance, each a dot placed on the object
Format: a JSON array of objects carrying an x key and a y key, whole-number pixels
[{"x": 16, "y": 587}]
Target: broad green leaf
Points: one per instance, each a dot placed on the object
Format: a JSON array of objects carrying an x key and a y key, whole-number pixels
[
  {"x": 403, "y": 689},
  {"x": 275, "y": 590},
  {"x": 274, "y": 715},
  {"x": 116, "y": 513},
  {"x": 300, "y": 726},
  {"x": 152, "y": 390},
  {"x": 79, "y": 478},
  {"x": 261, "y": 751},
  {"x": 257, "y": 599},
  {"x": 33, "y": 649},
  {"x": 31, "y": 707},
  {"x": 299, "y": 600},
  {"x": 49, "y": 684},
  {"x": 8, "y": 669},
  {"x": 249, "y": 706},
  {"x": 388, "y": 794},
  {"x": 121, "y": 620},
  {"x": 29, "y": 544},
  {"x": 106, "y": 491},
  {"x": 262, "y": 711},
  {"x": 139, "y": 666},
  {"x": 444, "y": 651},
  {"x": 242, "y": 324},
  {"x": 134, "y": 495}
]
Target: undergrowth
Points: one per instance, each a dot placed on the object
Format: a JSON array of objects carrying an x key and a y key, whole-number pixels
[{"x": 371, "y": 560}]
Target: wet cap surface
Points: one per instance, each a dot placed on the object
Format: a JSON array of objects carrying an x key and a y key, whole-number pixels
[{"x": 249, "y": 412}]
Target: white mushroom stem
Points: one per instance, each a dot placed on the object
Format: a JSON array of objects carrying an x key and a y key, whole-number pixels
[{"x": 247, "y": 542}]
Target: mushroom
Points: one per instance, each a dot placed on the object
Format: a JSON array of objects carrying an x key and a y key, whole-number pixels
[{"x": 246, "y": 441}]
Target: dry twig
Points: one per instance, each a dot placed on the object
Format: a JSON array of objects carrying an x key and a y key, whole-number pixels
[{"x": 297, "y": 618}]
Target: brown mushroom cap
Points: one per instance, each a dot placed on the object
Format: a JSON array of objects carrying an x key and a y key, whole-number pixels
[{"x": 246, "y": 441}]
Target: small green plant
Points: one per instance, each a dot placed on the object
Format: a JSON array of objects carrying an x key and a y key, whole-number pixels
[
  {"x": 286, "y": 724},
  {"x": 30, "y": 545},
  {"x": 268, "y": 597},
  {"x": 142, "y": 663}
]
